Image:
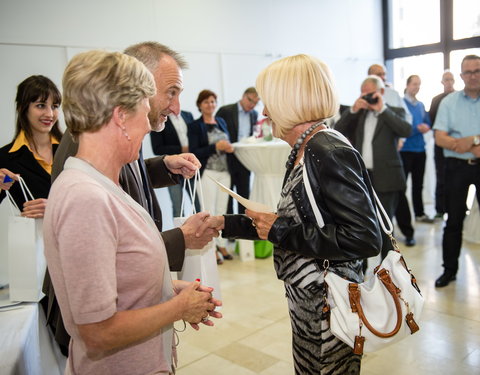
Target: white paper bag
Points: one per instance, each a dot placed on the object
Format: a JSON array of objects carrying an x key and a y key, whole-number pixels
[
  {"x": 26, "y": 260},
  {"x": 199, "y": 263}
]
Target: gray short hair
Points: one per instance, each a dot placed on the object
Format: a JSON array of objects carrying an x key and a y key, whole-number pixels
[
  {"x": 150, "y": 54},
  {"x": 375, "y": 80}
]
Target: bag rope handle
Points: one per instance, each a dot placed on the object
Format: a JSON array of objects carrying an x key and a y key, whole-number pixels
[
  {"x": 25, "y": 190},
  {"x": 192, "y": 192},
  {"x": 354, "y": 296}
]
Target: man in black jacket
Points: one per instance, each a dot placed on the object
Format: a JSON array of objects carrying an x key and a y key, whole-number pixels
[
  {"x": 240, "y": 118},
  {"x": 140, "y": 177}
]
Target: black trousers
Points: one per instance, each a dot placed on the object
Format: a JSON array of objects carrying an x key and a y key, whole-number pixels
[
  {"x": 389, "y": 201},
  {"x": 414, "y": 164},
  {"x": 459, "y": 176}
]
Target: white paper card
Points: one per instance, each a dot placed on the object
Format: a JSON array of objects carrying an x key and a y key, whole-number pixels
[{"x": 251, "y": 205}]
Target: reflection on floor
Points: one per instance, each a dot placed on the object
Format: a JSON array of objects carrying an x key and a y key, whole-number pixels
[{"x": 254, "y": 335}]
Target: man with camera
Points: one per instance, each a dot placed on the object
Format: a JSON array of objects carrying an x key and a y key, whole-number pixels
[{"x": 374, "y": 128}]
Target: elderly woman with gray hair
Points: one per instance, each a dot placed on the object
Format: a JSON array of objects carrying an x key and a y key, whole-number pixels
[
  {"x": 299, "y": 95},
  {"x": 106, "y": 257}
]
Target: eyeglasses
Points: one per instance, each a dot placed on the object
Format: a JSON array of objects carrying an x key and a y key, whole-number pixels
[
  {"x": 253, "y": 101},
  {"x": 469, "y": 73}
]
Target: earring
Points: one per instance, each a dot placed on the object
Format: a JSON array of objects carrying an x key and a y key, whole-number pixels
[{"x": 126, "y": 134}]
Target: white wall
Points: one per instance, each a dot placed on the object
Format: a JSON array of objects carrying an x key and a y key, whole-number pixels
[{"x": 226, "y": 42}]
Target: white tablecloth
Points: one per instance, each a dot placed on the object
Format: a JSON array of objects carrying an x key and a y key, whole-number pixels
[
  {"x": 26, "y": 348},
  {"x": 267, "y": 161},
  {"x": 471, "y": 224}
]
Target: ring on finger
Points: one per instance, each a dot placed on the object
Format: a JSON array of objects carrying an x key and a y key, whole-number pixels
[{"x": 253, "y": 223}]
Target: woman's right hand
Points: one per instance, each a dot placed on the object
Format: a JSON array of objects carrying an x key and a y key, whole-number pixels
[
  {"x": 196, "y": 303},
  {"x": 3, "y": 173},
  {"x": 224, "y": 146},
  {"x": 34, "y": 209}
]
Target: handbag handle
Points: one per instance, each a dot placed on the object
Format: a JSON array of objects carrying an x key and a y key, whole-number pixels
[
  {"x": 354, "y": 297},
  {"x": 25, "y": 190},
  {"x": 192, "y": 192}
]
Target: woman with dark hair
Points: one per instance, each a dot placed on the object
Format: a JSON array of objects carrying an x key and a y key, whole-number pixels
[
  {"x": 210, "y": 142},
  {"x": 36, "y": 138},
  {"x": 414, "y": 155}
]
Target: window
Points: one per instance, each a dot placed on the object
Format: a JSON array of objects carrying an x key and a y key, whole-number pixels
[
  {"x": 428, "y": 67},
  {"x": 466, "y": 18},
  {"x": 417, "y": 28},
  {"x": 414, "y": 22}
]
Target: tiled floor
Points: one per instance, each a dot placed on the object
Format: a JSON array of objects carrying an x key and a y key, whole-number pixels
[{"x": 254, "y": 335}]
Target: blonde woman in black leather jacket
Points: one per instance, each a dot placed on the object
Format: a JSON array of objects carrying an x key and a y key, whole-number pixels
[{"x": 298, "y": 94}]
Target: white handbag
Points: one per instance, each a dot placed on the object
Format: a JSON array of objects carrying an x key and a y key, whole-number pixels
[
  {"x": 26, "y": 260},
  {"x": 380, "y": 311},
  {"x": 199, "y": 263}
]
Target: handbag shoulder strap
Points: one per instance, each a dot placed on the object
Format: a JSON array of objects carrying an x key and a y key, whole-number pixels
[{"x": 313, "y": 204}]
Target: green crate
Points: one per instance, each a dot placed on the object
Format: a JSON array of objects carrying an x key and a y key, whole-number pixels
[{"x": 263, "y": 249}]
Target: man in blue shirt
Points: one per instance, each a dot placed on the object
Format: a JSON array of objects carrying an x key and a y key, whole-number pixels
[{"x": 457, "y": 130}]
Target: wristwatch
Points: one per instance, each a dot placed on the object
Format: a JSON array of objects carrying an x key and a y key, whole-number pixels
[{"x": 476, "y": 140}]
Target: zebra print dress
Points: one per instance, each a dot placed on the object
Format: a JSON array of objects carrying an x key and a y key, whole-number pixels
[{"x": 315, "y": 349}]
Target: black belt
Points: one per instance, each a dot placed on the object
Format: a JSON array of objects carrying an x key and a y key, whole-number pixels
[{"x": 465, "y": 161}]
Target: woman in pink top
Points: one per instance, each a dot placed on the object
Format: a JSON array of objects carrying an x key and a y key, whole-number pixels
[{"x": 106, "y": 257}]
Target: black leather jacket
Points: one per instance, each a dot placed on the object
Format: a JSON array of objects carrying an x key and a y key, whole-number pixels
[{"x": 343, "y": 194}]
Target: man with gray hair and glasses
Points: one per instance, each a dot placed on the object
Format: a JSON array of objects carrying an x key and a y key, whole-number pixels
[{"x": 374, "y": 128}]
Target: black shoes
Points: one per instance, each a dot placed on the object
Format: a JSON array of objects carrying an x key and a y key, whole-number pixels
[
  {"x": 445, "y": 279},
  {"x": 410, "y": 241}
]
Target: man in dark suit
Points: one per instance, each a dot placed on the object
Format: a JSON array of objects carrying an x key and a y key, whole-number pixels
[
  {"x": 170, "y": 141},
  {"x": 240, "y": 118},
  {"x": 140, "y": 177},
  {"x": 448, "y": 82},
  {"x": 374, "y": 130}
]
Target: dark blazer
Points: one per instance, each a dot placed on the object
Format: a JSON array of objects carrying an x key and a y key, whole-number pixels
[
  {"x": 198, "y": 139},
  {"x": 435, "y": 104},
  {"x": 388, "y": 174},
  {"x": 167, "y": 142},
  {"x": 230, "y": 114},
  {"x": 24, "y": 163}
]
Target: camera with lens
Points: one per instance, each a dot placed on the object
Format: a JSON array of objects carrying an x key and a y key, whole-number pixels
[{"x": 370, "y": 99}]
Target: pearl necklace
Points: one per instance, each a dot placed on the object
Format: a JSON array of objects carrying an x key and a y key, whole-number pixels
[{"x": 296, "y": 147}]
